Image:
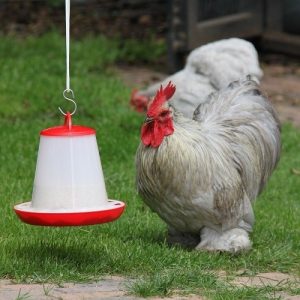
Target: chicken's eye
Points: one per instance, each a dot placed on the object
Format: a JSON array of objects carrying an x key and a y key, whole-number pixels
[{"x": 164, "y": 113}]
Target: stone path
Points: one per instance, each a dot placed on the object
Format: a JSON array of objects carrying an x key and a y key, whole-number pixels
[
  {"x": 110, "y": 288},
  {"x": 115, "y": 288},
  {"x": 273, "y": 279}
]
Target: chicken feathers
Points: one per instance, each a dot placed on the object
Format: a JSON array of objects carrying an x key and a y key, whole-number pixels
[{"x": 203, "y": 178}]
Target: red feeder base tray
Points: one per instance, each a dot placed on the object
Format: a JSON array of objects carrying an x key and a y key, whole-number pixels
[{"x": 31, "y": 216}]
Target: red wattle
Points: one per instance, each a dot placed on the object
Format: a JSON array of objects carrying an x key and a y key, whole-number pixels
[
  {"x": 152, "y": 134},
  {"x": 147, "y": 134}
]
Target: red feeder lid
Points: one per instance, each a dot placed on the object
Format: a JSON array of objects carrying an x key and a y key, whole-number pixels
[{"x": 68, "y": 129}]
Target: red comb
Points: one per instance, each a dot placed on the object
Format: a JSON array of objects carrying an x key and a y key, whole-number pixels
[{"x": 161, "y": 97}]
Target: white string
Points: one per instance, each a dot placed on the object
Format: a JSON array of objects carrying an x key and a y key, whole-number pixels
[
  {"x": 68, "y": 89},
  {"x": 68, "y": 44}
]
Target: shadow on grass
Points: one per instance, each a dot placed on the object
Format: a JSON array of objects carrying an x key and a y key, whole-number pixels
[
  {"x": 44, "y": 252},
  {"x": 80, "y": 256}
]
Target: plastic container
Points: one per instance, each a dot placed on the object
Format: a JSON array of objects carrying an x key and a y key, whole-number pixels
[{"x": 69, "y": 187}]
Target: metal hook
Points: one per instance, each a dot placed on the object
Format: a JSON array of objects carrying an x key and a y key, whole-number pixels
[{"x": 69, "y": 99}]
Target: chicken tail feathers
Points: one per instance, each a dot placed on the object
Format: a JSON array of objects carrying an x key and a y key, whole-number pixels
[
  {"x": 238, "y": 98},
  {"x": 243, "y": 117}
]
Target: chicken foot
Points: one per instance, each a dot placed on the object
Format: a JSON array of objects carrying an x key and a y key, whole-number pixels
[{"x": 233, "y": 240}]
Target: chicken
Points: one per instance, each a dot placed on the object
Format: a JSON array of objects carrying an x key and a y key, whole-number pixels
[
  {"x": 202, "y": 175},
  {"x": 208, "y": 68}
]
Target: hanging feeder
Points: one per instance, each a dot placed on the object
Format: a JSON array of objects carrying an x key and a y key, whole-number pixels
[{"x": 69, "y": 187}]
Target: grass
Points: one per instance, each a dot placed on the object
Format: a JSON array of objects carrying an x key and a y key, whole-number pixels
[{"x": 32, "y": 73}]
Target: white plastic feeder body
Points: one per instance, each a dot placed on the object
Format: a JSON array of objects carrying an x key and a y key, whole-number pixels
[{"x": 69, "y": 174}]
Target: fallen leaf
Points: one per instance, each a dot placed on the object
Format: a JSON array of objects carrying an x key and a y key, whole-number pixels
[{"x": 295, "y": 172}]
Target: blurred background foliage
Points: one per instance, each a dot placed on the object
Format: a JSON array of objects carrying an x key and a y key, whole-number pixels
[
  {"x": 126, "y": 18},
  {"x": 123, "y": 18}
]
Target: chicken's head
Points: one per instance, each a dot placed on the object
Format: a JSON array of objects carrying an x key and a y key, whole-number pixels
[
  {"x": 138, "y": 101},
  {"x": 159, "y": 121}
]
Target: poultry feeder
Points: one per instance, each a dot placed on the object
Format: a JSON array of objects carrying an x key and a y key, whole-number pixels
[{"x": 69, "y": 186}]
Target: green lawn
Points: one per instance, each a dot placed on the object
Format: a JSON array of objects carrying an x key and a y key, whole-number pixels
[{"x": 32, "y": 74}]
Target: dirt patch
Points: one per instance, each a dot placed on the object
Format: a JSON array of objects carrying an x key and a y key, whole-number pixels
[
  {"x": 139, "y": 77},
  {"x": 281, "y": 82}
]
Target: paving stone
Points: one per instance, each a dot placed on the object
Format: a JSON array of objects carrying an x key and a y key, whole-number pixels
[
  {"x": 109, "y": 288},
  {"x": 266, "y": 279}
]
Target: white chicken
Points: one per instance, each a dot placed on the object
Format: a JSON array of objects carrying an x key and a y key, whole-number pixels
[
  {"x": 202, "y": 175},
  {"x": 208, "y": 69}
]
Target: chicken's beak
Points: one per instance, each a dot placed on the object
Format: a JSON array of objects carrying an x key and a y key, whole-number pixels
[{"x": 148, "y": 120}]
